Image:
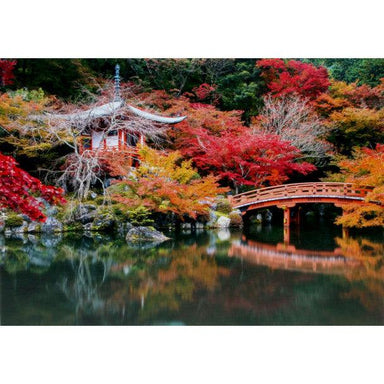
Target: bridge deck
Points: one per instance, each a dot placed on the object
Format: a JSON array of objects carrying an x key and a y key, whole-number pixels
[{"x": 302, "y": 192}]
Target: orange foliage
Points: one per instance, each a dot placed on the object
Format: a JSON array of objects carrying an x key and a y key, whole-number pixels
[
  {"x": 366, "y": 169},
  {"x": 163, "y": 183}
]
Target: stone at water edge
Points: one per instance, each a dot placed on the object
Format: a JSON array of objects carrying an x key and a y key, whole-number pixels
[
  {"x": 85, "y": 213},
  {"x": 51, "y": 225},
  {"x": 223, "y": 222},
  {"x": 138, "y": 234},
  {"x": 212, "y": 219},
  {"x": 104, "y": 222}
]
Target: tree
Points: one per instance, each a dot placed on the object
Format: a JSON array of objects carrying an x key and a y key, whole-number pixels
[
  {"x": 365, "y": 169},
  {"x": 294, "y": 76},
  {"x": 163, "y": 183},
  {"x": 22, "y": 129},
  {"x": 6, "y": 72},
  {"x": 20, "y": 191},
  {"x": 362, "y": 71},
  {"x": 66, "y": 78},
  {"x": 353, "y": 127},
  {"x": 200, "y": 115},
  {"x": 362, "y": 96},
  {"x": 294, "y": 120},
  {"x": 241, "y": 88},
  {"x": 243, "y": 158},
  {"x": 171, "y": 75}
]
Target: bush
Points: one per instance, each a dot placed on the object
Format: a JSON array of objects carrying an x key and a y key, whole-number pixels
[
  {"x": 13, "y": 220},
  {"x": 140, "y": 216},
  {"x": 224, "y": 206},
  {"x": 236, "y": 220}
]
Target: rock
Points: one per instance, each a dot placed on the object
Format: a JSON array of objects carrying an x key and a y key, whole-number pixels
[
  {"x": 145, "y": 234},
  {"x": 104, "y": 222},
  {"x": 223, "y": 222},
  {"x": 26, "y": 218},
  {"x": 2, "y": 225},
  {"x": 124, "y": 227},
  {"x": 214, "y": 206},
  {"x": 93, "y": 195},
  {"x": 51, "y": 210},
  {"x": 22, "y": 229},
  {"x": 85, "y": 213},
  {"x": 34, "y": 227},
  {"x": 87, "y": 227},
  {"x": 212, "y": 219},
  {"x": 51, "y": 225}
]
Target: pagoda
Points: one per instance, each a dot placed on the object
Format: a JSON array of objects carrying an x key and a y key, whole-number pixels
[{"x": 101, "y": 129}]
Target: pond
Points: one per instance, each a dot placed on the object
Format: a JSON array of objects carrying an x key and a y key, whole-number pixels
[{"x": 322, "y": 276}]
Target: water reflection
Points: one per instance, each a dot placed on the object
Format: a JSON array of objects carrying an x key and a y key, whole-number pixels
[{"x": 198, "y": 278}]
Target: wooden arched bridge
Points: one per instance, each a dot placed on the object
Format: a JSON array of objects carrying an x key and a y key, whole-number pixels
[{"x": 288, "y": 195}]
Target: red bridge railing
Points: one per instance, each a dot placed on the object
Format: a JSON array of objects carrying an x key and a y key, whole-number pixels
[{"x": 302, "y": 190}]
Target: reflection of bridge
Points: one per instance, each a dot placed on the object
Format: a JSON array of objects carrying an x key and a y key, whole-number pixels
[
  {"x": 282, "y": 256},
  {"x": 287, "y": 196}
]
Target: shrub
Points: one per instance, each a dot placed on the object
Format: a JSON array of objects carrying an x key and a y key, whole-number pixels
[
  {"x": 140, "y": 216},
  {"x": 13, "y": 220},
  {"x": 224, "y": 206},
  {"x": 236, "y": 220}
]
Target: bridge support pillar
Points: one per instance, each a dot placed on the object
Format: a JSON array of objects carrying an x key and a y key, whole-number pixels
[
  {"x": 345, "y": 230},
  {"x": 287, "y": 213},
  {"x": 287, "y": 234},
  {"x": 287, "y": 216},
  {"x": 287, "y": 221}
]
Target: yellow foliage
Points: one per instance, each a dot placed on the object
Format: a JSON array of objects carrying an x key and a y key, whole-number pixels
[
  {"x": 20, "y": 123},
  {"x": 166, "y": 183}
]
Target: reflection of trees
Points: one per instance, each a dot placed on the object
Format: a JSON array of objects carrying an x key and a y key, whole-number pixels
[
  {"x": 108, "y": 282},
  {"x": 141, "y": 285},
  {"x": 161, "y": 285},
  {"x": 112, "y": 282},
  {"x": 84, "y": 289},
  {"x": 371, "y": 273},
  {"x": 188, "y": 271}
]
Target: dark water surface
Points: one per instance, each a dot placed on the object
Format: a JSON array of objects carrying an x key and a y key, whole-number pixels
[{"x": 202, "y": 278}]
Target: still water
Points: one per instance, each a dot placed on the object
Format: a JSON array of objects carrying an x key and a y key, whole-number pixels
[{"x": 321, "y": 277}]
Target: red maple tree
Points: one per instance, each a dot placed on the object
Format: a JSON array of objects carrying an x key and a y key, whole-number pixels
[
  {"x": 244, "y": 158},
  {"x": 6, "y": 72},
  {"x": 294, "y": 76},
  {"x": 20, "y": 191}
]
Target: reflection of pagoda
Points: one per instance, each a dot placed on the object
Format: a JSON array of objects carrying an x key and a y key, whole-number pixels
[{"x": 102, "y": 129}]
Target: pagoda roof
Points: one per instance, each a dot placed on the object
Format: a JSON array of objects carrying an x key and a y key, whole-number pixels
[
  {"x": 153, "y": 117},
  {"x": 111, "y": 108}
]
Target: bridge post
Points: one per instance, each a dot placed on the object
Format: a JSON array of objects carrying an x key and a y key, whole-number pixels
[
  {"x": 287, "y": 216},
  {"x": 345, "y": 230},
  {"x": 287, "y": 235},
  {"x": 287, "y": 213},
  {"x": 287, "y": 221}
]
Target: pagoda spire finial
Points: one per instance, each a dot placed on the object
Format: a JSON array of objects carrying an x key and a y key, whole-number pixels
[{"x": 117, "y": 83}]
